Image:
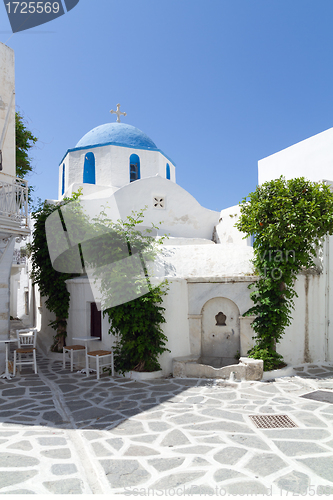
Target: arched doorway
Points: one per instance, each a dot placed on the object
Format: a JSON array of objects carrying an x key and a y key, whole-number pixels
[{"x": 220, "y": 334}]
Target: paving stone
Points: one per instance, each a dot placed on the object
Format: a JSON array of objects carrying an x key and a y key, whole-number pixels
[
  {"x": 211, "y": 439},
  {"x": 19, "y": 403},
  {"x": 100, "y": 450},
  {"x": 129, "y": 428},
  {"x": 249, "y": 441},
  {"x": 21, "y": 445},
  {"x": 230, "y": 456},
  {"x": 158, "y": 426},
  {"x": 149, "y": 438},
  {"x": 43, "y": 389},
  {"x": 115, "y": 443},
  {"x": 51, "y": 441},
  {"x": 78, "y": 405},
  {"x": 7, "y": 433},
  {"x": 10, "y": 478},
  {"x": 13, "y": 392},
  {"x": 225, "y": 474},
  {"x": 63, "y": 469},
  {"x": 52, "y": 416},
  {"x": 122, "y": 473},
  {"x": 195, "y": 450},
  {"x": 90, "y": 413},
  {"x": 64, "y": 486},
  {"x": 222, "y": 414},
  {"x": 200, "y": 462},
  {"x": 15, "y": 460},
  {"x": 163, "y": 464},
  {"x": 246, "y": 488},
  {"x": 265, "y": 464},
  {"x": 90, "y": 435},
  {"x": 175, "y": 438},
  {"x": 220, "y": 426},
  {"x": 322, "y": 466},
  {"x": 322, "y": 396},
  {"x": 306, "y": 434},
  {"x": 309, "y": 420},
  {"x": 178, "y": 479},
  {"x": 297, "y": 448},
  {"x": 295, "y": 481},
  {"x": 58, "y": 453},
  {"x": 140, "y": 451}
]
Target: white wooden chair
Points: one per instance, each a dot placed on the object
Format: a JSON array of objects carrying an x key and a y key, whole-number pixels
[
  {"x": 100, "y": 355},
  {"x": 26, "y": 340},
  {"x": 70, "y": 349}
]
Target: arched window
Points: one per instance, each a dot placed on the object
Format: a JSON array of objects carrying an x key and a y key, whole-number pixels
[
  {"x": 168, "y": 171},
  {"x": 134, "y": 168},
  {"x": 89, "y": 169},
  {"x": 63, "y": 179}
]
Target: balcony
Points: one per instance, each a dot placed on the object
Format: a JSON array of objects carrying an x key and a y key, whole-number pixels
[{"x": 14, "y": 207}]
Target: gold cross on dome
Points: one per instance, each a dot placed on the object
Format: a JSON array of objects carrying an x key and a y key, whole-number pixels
[{"x": 118, "y": 113}]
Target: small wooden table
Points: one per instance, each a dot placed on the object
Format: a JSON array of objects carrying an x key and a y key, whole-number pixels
[
  {"x": 86, "y": 340},
  {"x": 7, "y": 342}
]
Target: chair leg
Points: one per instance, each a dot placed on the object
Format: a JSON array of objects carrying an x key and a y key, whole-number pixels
[
  {"x": 112, "y": 364},
  {"x": 63, "y": 358},
  {"x": 35, "y": 360},
  {"x": 14, "y": 368},
  {"x": 97, "y": 366},
  {"x": 72, "y": 360}
]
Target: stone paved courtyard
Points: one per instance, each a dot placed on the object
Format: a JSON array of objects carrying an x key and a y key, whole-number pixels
[{"x": 63, "y": 432}]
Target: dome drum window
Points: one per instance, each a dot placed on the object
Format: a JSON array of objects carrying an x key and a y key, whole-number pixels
[
  {"x": 89, "y": 169},
  {"x": 63, "y": 179},
  {"x": 167, "y": 171},
  {"x": 134, "y": 168}
]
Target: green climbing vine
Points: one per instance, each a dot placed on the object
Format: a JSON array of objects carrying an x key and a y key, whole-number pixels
[
  {"x": 288, "y": 219},
  {"x": 51, "y": 283},
  {"x": 137, "y": 317}
]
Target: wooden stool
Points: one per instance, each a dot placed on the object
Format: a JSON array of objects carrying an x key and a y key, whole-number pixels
[
  {"x": 100, "y": 355},
  {"x": 71, "y": 349}
]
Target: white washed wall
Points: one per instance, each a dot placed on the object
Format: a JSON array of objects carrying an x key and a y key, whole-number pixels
[{"x": 7, "y": 86}]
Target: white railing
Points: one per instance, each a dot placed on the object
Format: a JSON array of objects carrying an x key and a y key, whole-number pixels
[{"x": 14, "y": 201}]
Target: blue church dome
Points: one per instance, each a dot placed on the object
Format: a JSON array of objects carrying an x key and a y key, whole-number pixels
[{"x": 119, "y": 134}]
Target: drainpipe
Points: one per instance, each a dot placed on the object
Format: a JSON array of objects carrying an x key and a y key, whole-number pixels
[{"x": 327, "y": 296}]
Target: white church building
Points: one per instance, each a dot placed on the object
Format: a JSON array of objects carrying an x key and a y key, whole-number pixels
[{"x": 206, "y": 259}]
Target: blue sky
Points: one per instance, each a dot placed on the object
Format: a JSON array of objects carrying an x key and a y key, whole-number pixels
[{"x": 216, "y": 84}]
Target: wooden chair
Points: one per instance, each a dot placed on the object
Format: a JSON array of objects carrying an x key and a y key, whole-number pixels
[
  {"x": 71, "y": 349},
  {"x": 100, "y": 355},
  {"x": 26, "y": 340}
]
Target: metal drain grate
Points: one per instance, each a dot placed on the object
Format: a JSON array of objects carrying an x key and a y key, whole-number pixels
[{"x": 272, "y": 421}]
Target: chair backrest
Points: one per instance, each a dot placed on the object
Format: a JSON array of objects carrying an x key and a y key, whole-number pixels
[{"x": 27, "y": 337}]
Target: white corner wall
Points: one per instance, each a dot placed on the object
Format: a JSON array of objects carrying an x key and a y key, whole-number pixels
[
  {"x": 7, "y": 87},
  {"x": 311, "y": 158}
]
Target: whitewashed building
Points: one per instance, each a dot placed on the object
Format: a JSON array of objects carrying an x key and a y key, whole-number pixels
[
  {"x": 206, "y": 259},
  {"x": 13, "y": 191}
]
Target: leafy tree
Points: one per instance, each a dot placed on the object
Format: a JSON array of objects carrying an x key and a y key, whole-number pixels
[
  {"x": 136, "y": 322},
  {"x": 288, "y": 220},
  {"x": 25, "y": 140}
]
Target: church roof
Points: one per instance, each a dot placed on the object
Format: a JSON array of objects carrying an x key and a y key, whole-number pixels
[{"x": 119, "y": 134}]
